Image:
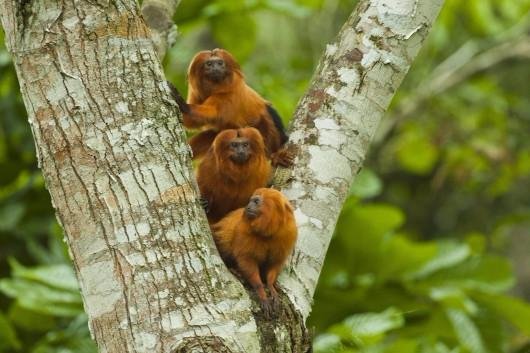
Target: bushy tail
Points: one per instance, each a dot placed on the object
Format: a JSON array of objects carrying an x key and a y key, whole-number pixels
[{"x": 278, "y": 123}]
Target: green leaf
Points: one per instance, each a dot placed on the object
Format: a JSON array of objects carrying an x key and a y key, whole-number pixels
[
  {"x": 10, "y": 215},
  {"x": 30, "y": 320},
  {"x": 489, "y": 273},
  {"x": 59, "y": 276},
  {"x": 512, "y": 309},
  {"x": 416, "y": 153},
  {"x": 360, "y": 233},
  {"x": 8, "y": 336},
  {"x": 466, "y": 331},
  {"x": 366, "y": 184},
  {"x": 449, "y": 254},
  {"x": 402, "y": 346},
  {"x": 74, "y": 339},
  {"x": 368, "y": 327},
  {"x": 454, "y": 298},
  {"x": 41, "y": 298},
  {"x": 327, "y": 343}
]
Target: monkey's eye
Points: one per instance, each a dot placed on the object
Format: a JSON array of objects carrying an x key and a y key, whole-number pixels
[
  {"x": 233, "y": 144},
  {"x": 245, "y": 144},
  {"x": 208, "y": 63}
]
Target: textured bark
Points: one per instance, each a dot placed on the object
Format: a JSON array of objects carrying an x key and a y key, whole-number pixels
[
  {"x": 117, "y": 166},
  {"x": 337, "y": 119},
  {"x": 158, "y": 15}
]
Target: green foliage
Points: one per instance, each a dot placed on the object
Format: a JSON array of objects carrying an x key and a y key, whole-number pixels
[
  {"x": 405, "y": 293},
  {"x": 419, "y": 262}
]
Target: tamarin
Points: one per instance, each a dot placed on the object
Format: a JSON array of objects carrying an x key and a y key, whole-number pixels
[
  {"x": 257, "y": 240},
  {"x": 219, "y": 99},
  {"x": 234, "y": 166}
]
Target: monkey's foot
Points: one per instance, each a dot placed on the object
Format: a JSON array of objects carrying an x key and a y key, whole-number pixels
[{"x": 267, "y": 308}]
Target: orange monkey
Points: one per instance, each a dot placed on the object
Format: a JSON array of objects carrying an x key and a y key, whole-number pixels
[
  {"x": 219, "y": 99},
  {"x": 257, "y": 240},
  {"x": 231, "y": 170}
]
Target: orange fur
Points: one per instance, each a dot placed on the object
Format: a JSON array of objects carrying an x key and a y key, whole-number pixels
[
  {"x": 259, "y": 244},
  {"x": 225, "y": 184},
  {"x": 228, "y": 103}
]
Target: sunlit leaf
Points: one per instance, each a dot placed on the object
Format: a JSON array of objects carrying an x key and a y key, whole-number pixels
[
  {"x": 41, "y": 298},
  {"x": 59, "y": 276},
  {"x": 327, "y": 343},
  {"x": 368, "y": 327},
  {"x": 466, "y": 331},
  {"x": 449, "y": 254}
]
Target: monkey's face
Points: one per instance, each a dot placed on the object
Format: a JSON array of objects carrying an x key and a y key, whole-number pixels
[
  {"x": 239, "y": 146},
  {"x": 253, "y": 208},
  {"x": 269, "y": 204},
  {"x": 215, "y": 66},
  {"x": 239, "y": 150}
]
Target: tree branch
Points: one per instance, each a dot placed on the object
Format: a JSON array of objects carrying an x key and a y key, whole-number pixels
[
  {"x": 337, "y": 119},
  {"x": 158, "y": 15},
  {"x": 468, "y": 60}
]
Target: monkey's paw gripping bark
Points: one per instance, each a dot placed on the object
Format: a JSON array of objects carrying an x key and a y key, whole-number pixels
[
  {"x": 181, "y": 102},
  {"x": 204, "y": 204},
  {"x": 283, "y": 158},
  {"x": 267, "y": 307}
]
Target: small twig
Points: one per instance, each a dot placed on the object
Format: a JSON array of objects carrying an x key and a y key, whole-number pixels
[{"x": 158, "y": 15}]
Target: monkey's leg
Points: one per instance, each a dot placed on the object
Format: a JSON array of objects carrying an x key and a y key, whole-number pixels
[
  {"x": 272, "y": 276},
  {"x": 250, "y": 272}
]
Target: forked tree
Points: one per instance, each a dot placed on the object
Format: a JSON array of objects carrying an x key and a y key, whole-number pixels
[{"x": 115, "y": 160}]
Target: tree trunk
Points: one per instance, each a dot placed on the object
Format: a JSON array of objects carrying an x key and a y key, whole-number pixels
[
  {"x": 337, "y": 119},
  {"x": 116, "y": 162}
]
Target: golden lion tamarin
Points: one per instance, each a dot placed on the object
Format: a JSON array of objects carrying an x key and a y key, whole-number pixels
[
  {"x": 233, "y": 168},
  {"x": 219, "y": 99},
  {"x": 257, "y": 241}
]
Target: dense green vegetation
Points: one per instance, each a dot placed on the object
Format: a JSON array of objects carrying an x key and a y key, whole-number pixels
[{"x": 431, "y": 249}]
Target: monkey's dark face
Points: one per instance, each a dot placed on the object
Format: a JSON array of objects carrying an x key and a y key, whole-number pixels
[
  {"x": 253, "y": 208},
  {"x": 215, "y": 68},
  {"x": 239, "y": 150}
]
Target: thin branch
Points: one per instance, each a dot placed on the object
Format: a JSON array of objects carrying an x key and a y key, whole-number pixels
[{"x": 158, "y": 15}]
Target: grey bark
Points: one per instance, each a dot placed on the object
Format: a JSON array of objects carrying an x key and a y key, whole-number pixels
[
  {"x": 336, "y": 121},
  {"x": 158, "y": 14},
  {"x": 115, "y": 160}
]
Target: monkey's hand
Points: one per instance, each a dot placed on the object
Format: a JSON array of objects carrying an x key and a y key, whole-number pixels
[
  {"x": 205, "y": 204},
  {"x": 283, "y": 158},
  {"x": 181, "y": 102}
]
